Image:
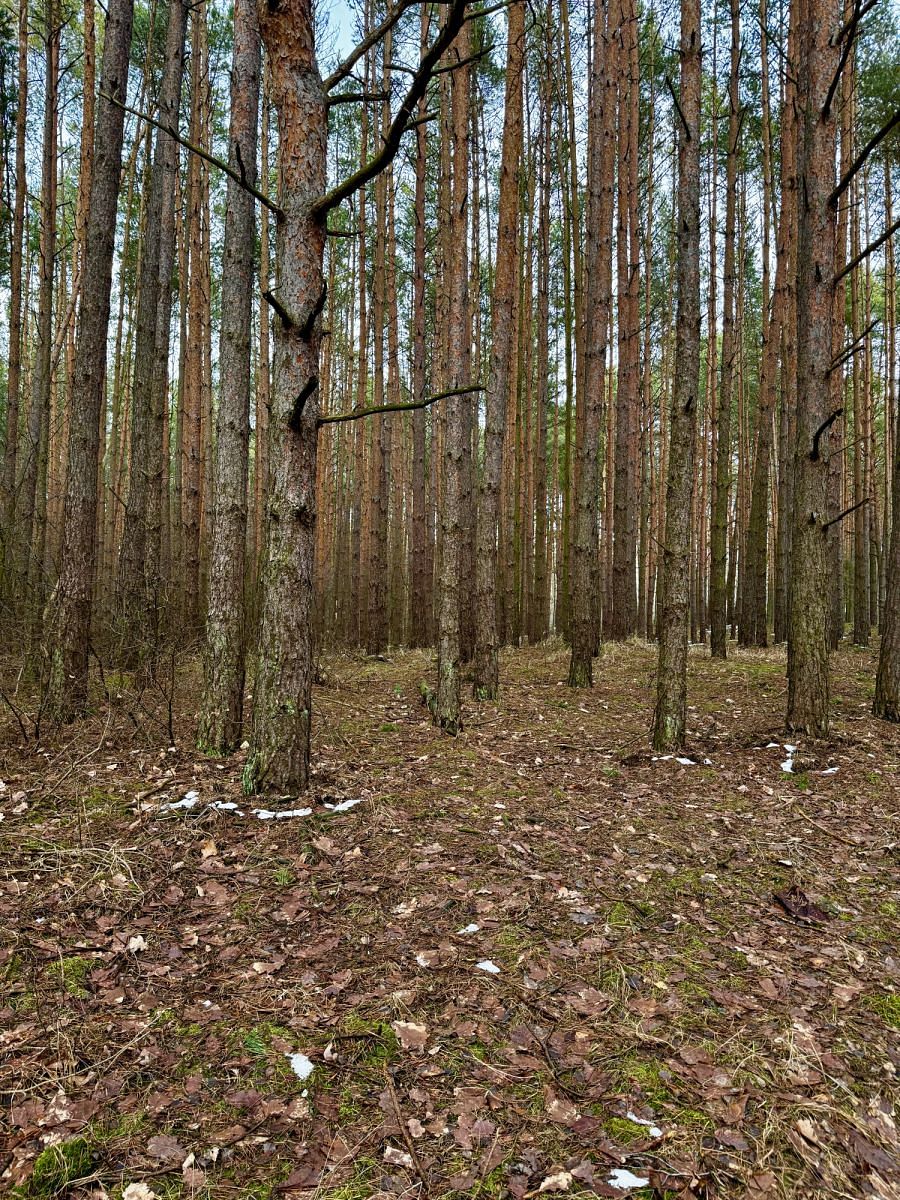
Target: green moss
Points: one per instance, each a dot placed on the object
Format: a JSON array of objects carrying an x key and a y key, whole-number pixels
[
  {"x": 70, "y": 974},
  {"x": 622, "y": 1130},
  {"x": 620, "y": 916},
  {"x": 887, "y": 1006},
  {"x": 361, "y": 1186},
  {"x": 801, "y": 781},
  {"x": 58, "y": 1167},
  {"x": 374, "y": 1042}
]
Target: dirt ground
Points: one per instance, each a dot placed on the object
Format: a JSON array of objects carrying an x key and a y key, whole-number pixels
[{"x": 532, "y": 959}]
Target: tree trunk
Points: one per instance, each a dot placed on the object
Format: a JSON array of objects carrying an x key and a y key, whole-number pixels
[
  {"x": 503, "y": 301},
  {"x": 670, "y": 716},
  {"x": 447, "y": 710},
  {"x": 138, "y": 584},
  {"x": 69, "y": 616},
  {"x": 807, "y": 709},
  {"x": 226, "y": 625},
  {"x": 598, "y": 269},
  {"x": 722, "y": 479}
]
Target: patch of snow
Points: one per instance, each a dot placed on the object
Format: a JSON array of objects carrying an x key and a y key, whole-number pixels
[
  {"x": 473, "y": 928},
  {"x": 225, "y": 806},
  {"x": 188, "y": 800},
  {"x": 686, "y": 762},
  {"x": 486, "y": 965},
  {"x": 345, "y": 805},
  {"x": 652, "y": 1129},
  {"x": 772, "y": 746},
  {"x": 622, "y": 1178},
  {"x": 300, "y": 1065},
  {"x": 266, "y": 814},
  {"x": 422, "y": 960},
  {"x": 788, "y": 765},
  {"x": 831, "y": 770}
]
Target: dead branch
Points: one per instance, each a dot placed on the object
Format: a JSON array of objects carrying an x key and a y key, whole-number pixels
[{"x": 357, "y": 414}]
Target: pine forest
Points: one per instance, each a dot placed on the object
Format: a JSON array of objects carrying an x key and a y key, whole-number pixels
[{"x": 449, "y": 599}]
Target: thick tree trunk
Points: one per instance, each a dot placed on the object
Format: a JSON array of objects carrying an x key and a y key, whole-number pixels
[
  {"x": 447, "y": 710},
  {"x": 226, "y": 624},
  {"x": 279, "y": 752},
  {"x": 807, "y": 709},
  {"x": 670, "y": 716},
  {"x": 69, "y": 615},
  {"x": 503, "y": 303}
]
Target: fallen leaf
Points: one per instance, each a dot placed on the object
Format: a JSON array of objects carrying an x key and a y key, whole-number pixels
[
  {"x": 412, "y": 1036},
  {"x": 166, "y": 1148},
  {"x": 798, "y": 905}
]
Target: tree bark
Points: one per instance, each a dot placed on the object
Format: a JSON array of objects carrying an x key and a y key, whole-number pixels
[
  {"x": 138, "y": 587},
  {"x": 447, "y": 706},
  {"x": 226, "y": 624},
  {"x": 807, "y": 709},
  {"x": 722, "y": 478},
  {"x": 670, "y": 717},
  {"x": 598, "y": 269},
  {"x": 278, "y": 760},
  {"x": 69, "y": 615},
  {"x": 503, "y": 302}
]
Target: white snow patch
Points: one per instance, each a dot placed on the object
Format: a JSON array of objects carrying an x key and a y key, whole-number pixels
[
  {"x": 473, "y": 928},
  {"x": 652, "y": 1129},
  {"x": 788, "y": 764},
  {"x": 621, "y": 1178},
  {"x": 686, "y": 762},
  {"x": 301, "y": 1065},
  {"x": 772, "y": 746},
  {"x": 225, "y": 806},
  {"x": 266, "y": 814},
  {"x": 345, "y": 805},
  {"x": 831, "y": 771},
  {"x": 486, "y": 965},
  {"x": 422, "y": 960},
  {"x": 188, "y": 800}
]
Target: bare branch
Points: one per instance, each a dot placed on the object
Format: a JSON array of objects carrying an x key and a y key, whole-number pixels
[
  {"x": 854, "y": 346},
  {"x": 356, "y": 98},
  {"x": 677, "y": 102},
  {"x": 821, "y": 431},
  {"x": 860, "y": 159},
  {"x": 863, "y": 254},
  {"x": 357, "y": 414},
  {"x": 401, "y": 121},
  {"x": 851, "y": 27},
  {"x": 371, "y": 38},
  {"x": 238, "y": 177},
  {"x": 846, "y": 513}
]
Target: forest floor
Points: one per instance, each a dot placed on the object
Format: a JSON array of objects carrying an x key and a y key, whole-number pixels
[{"x": 532, "y": 959}]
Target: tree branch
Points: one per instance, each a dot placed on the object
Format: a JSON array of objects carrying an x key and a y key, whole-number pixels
[
  {"x": 238, "y": 177},
  {"x": 863, "y": 254},
  {"x": 401, "y": 121},
  {"x": 821, "y": 431},
  {"x": 846, "y": 513},
  {"x": 343, "y": 70},
  {"x": 278, "y": 308},
  {"x": 855, "y": 345},
  {"x": 860, "y": 159},
  {"x": 677, "y": 102},
  {"x": 357, "y": 413},
  {"x": 851, "y": 28}
]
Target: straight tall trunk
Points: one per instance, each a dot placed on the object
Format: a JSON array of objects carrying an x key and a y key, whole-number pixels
[
  {"x": 807, "y": 708},
  {"x": 226, "y": 624},
  {"x": 486, "y": 675},
  {"x": 69, "y": 613},
  {"x": 139, "y": 583},
  {"x": 670, "y": 716},
  {"x": 722, "y": 479},
  {"x": 598, "y": 269}
]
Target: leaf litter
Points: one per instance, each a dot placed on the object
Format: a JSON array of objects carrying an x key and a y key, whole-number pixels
[{"x": 655, "y": 1022}]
